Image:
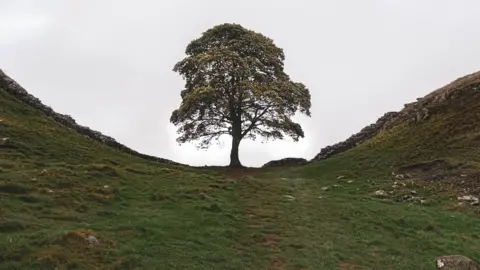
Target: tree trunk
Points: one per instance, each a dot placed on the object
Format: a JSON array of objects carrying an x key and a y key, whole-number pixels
[{"x": 234, "y": 160}]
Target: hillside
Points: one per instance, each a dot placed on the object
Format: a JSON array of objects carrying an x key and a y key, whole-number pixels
[
  {"x": 71, "y": 201},
  {"x": 455, "y": 101}
]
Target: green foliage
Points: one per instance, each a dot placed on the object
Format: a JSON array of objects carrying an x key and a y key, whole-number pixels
[{"x": 236, "y": 85}]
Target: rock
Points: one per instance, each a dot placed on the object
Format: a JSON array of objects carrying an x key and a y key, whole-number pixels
[
  {"x": 413, "y": 192},
  {"x": 92, "y": 240},
  {"x": 456, "y": 262},
  {"x": 4, "y": 142},
  {"x": 350, "y": 181},
  {"x": 406, "y": 198},
  {"x": 336, "y": 186},
  {"x": 399, "y": 176},
  {"x": 289, "y": 197},
  {"x": 340, "y": 177},
  {"x": 380, "y": 193},
  {"x": 468, "y": 198},
  {"x": 475, "y": 203},
  {"x": 285, "y": 162},
  {"x": 324, "y": 188}
]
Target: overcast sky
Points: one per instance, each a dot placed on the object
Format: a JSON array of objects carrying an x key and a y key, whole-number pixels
[{"x": 109, "y": 63}]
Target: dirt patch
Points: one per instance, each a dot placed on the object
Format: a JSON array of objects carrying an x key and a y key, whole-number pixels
[
  {"x": 277, "y": 263},
  {"x": 439, "y": 164},
  {"x": 442, "y": 177},
  {"x": 271, "y": 241}
]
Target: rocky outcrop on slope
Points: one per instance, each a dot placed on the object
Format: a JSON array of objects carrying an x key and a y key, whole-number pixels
[
  {"x": 431, "y": 104},
  {"x": 356, "y": 139},
  {"x": 13, "y": 88},
  {"x": 285, "y": 162}
]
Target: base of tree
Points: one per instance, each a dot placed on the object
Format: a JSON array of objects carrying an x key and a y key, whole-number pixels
[{"x": 236, "y": 166}]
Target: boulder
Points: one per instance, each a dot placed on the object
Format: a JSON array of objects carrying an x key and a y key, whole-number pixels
[{"x": 456, "y": 262}]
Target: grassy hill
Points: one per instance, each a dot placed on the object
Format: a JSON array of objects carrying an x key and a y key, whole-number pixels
[{"x": 70, "y": 202}]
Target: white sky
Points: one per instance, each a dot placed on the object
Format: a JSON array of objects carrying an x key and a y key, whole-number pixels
[{"x": 109, "y": 63}]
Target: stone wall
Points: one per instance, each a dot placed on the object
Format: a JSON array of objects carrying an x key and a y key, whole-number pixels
[
  {"x": 366, "y": 133},
  {"x": 414, "y": 112},
  {"x": 13, "y": 88}
]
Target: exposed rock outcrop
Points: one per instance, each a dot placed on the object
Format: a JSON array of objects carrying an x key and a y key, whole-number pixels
[
  {"x": 432, "y": 103},
  {"x": 285, "y": 162},
  {"x": 13, "y": 88}
]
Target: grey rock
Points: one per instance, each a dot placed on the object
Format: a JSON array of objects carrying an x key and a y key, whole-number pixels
[
  {"x": 380, "y": 193},
  {"x": 468, "y": 198},
  {"x": 4, "y": 142},
  {"x": 456, "y": 262},
  {"x": 92, "y": 240}
]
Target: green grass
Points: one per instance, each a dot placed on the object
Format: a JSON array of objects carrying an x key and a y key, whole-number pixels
[{"x": 57, "y": 188}]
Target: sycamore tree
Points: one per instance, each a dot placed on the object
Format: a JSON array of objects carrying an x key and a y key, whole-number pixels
[{"x": 236, "y": 85}]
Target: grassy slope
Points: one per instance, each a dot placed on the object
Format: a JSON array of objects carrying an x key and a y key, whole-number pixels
[
  {"x": 150, "y": 215},
  {"x": 154, "y": 216}
]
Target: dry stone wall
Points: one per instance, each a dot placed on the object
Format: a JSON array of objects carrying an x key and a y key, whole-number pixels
[
  {"x": 13, "y": 88},
  {"x": 365, "y": 134}
]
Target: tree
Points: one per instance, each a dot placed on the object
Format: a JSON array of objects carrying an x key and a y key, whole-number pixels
[{"x": 236, "y": 85}]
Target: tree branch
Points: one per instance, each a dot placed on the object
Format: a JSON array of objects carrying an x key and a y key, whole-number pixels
[{"x": 255, "y": 119}]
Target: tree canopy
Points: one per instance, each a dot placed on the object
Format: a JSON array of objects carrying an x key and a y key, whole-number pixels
[{"x": 235, "y": 85}]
